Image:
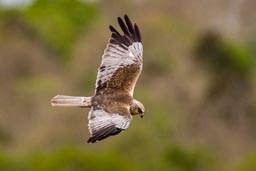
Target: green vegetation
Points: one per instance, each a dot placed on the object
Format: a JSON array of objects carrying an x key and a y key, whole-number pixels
[
  {"x": 198, "y": 88},
  {"x": 65, "y": 159},
  {"x": 57, "y": 23},
  {"x": 224, "y": 56},
  {"x": 60, "y": 22},
  {"x": 248, "y": 164},
  {"x": 177, "y": 159},
  {"x": 182, "y": 159}
]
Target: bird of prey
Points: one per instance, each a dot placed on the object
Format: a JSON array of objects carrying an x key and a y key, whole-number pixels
[{"x": 112, "y": 105}]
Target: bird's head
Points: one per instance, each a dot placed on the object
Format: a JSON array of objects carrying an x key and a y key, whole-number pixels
[{"x": 137, "y": 108}]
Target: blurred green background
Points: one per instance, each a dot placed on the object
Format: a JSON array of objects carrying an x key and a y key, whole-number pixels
[{"x": 198, "y": 85}]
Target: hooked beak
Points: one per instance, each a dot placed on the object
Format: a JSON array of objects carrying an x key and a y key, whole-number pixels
[{"x": 141, "y": 115}]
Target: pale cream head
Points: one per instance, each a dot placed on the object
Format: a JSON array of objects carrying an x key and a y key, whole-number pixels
[{"x": 137, "y": 108}]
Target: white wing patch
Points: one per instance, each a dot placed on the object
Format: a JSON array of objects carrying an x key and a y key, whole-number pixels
[
  {"x": 99, "y": 119},
  {"x": 116, "y": 57}
]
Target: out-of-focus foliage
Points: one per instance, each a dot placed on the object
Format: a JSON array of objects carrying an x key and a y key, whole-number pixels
[
  {"x": 60, "y": 22},
  {"x": 66, "y": 159},
  {"x": 224, "y": 56},
  {"x": 198, "y": 87},
  {"x": 249, "y": 164},
  {"x": 182, "y": 159},
  {"x": 57, "y": 23},
  {"x": 4, "y": 136},
  {"x": 71, "y": 158}
]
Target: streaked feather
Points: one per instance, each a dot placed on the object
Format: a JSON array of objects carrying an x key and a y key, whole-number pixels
[{"x": 122, "y": 53}]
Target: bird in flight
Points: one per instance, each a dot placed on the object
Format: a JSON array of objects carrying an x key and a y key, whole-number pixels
[{"x": 112, "y": 105}]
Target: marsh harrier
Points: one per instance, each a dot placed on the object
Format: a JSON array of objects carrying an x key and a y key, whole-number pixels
[{"x": 112, "y": 105}]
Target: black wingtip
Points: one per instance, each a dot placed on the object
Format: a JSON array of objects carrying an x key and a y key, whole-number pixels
[
  {"x": 131, "y": 32},
  {"x": 103, "y": 134},
  {"x": 123, "y": 26},
  {"x": 91, "y": 140},
  {"x": 137, "y": 32},
  {"x": 126, "y": 16},
  {"x": 111, "y": 28},
  {"x": 119, "y": 19}
]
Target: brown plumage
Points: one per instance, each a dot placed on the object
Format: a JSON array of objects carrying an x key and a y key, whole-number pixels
[{"x": 112, "y": 105}]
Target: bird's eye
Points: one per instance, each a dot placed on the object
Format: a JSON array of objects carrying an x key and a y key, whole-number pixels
[{"x": 139, "y": 110}]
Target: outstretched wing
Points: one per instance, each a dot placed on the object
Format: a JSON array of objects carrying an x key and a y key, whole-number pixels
[
  {"x": 122, "y": 59},
  {"x": 103, "y": 124}
]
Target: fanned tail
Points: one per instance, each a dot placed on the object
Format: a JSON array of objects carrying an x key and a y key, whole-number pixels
[{"x": 62, "y": 100}]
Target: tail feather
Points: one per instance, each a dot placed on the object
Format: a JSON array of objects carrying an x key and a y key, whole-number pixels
[{"x": 62, "y": 100}]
